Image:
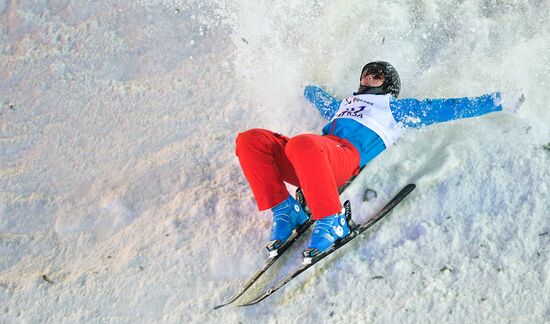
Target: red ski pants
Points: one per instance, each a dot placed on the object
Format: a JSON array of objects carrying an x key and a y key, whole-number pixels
[{"x": 318, "y": 164}]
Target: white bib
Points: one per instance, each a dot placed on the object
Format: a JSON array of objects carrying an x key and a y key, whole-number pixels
[{"x": 374, "y": 112}]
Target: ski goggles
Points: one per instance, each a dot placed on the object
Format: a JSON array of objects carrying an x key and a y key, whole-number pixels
[{"x": 377, "y": 71}]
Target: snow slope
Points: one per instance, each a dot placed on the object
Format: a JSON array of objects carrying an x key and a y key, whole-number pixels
[{"x": 121, "y": 200}]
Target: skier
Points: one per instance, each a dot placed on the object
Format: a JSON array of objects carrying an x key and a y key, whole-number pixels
[{"x": 361, "y": 127}]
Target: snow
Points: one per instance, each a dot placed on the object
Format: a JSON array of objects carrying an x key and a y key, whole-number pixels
[{"x": 121, "y": 199}]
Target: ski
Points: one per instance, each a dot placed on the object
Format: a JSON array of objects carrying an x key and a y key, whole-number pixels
[
  {"x": 355, "y": 231},
  {"x": 274, "y": 255}
]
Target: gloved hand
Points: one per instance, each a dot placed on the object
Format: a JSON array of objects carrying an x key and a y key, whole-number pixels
[{"x": 511, "y": 101}]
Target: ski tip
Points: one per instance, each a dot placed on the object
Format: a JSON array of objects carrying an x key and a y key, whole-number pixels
[
  {"x": 228, "y": 302},
  {"x": 408, "y": 189}
]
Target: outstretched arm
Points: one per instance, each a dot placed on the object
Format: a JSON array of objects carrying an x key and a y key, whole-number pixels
[
  {"x": 323, "y": 101},
  {"x": 416, "y": 113}
]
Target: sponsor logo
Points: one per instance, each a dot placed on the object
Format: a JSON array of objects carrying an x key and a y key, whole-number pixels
[
  {"x": 353, "y": 112},
  {"x": 351, "y": 100}
]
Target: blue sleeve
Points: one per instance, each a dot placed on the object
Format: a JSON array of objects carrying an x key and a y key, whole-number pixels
[
  {"x": 417, "y": 113},
  {"x": 323, "y": 101}
]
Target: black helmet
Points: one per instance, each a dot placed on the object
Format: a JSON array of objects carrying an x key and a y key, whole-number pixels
[{"x": 391, "y": 84}]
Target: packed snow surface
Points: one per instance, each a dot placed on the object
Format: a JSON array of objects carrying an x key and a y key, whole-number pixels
[{"x": 121, "y": 199}]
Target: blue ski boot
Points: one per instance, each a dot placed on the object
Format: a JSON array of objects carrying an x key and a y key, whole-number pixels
[
  {"x": 287, "y": 216},
  {"x": 327, "y": 230}
]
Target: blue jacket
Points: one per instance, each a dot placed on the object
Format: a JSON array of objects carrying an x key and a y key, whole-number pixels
[{"x": 408, "y": 112}]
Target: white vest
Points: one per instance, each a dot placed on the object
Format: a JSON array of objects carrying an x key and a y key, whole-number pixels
[{"x": 374, "y": 112}]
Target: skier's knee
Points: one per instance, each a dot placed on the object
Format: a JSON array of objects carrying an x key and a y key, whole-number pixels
[
  {"x": 249, "y": 138},
  {"x": 302, "y": 144}
]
